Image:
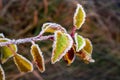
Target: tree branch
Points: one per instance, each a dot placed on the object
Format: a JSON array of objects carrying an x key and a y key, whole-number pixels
[{"x": 25, "y": 40}]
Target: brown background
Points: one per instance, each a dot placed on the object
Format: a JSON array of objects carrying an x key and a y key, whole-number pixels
[{"x": 24, "y": 18}]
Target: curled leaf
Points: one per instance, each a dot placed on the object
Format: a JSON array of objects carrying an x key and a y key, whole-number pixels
[
  {"x": 85, "y": 56},
  {"x": 22, "y": 63},
  {"x": 86, "y": 53},
  {"x": 80, "y": 42},
  {"x": 63, "y": 42},
  {"x": 5, "y": 51},
  {"x": 38, "y": 57},
  {"x": 2, "y": 74},
  {"x": 70, "y": 56},
  {"x": 52, "y": 27},
  {"x": 79, "y": 16}
]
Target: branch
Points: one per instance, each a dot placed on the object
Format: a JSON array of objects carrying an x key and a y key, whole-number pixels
[
  {"x": 6, "y": 7},
  {"x": 25, "y": 40}
]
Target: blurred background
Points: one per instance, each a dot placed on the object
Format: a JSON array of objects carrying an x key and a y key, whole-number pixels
[{"x": 24, "y": 18}]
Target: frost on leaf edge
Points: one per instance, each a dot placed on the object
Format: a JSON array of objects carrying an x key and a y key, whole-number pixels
[
  {"x": 75, "y": 14},
  {"x": 65, "y": 51},
  {"x": 40, "y": 53}
]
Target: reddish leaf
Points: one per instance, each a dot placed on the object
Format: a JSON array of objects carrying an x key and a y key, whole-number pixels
[
  {"x": 38, "y": 57},
  {"x": 86, "y": 53},
  {"x": 70, "y": 56}
]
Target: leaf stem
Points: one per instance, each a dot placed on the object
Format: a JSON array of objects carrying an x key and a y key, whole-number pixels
[{"x": 73, "y": 32}]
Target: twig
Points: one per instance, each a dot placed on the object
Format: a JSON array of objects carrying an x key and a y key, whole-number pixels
[
  {"x": 31, "y": 25},
  {"x": 37, "y": 75},
  {"x": 6, "y": 8},
  {"x": 18, "y": 75},
  {"x": 1, "y": 5},
  {"x": 35, "y": 18},
  {"x": 28, "y": 28},
  {"x": 37, "y": 38},
  {"x": 45, "y": 6}
]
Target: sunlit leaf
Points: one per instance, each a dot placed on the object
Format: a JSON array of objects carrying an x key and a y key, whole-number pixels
[
  {"x": 5, "y": 51},
  {"x": 22, "y": 63},
  {"x": 52, "y": 27},
  {"x": 2, "y": 74},
  {"x": 70, "y": 56},
  {"x": 38, "y": 57},
  {"x": 63, "y": 42},
  {"x": 1, "y": 35},
  {"x": 80, "y": 42},
  {"x": 88, "y": 47},
  {"x": 86, "y": 53},
  {"x": 79, "y": 16}
]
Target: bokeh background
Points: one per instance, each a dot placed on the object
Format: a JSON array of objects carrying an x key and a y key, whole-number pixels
[{"x": 24, "y": 18}]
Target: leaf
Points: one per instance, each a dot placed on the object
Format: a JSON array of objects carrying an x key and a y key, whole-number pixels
[
  {"x": 2, "y": 35},
  {"x": 38, "y": 57},
  {"x": 79, "y": 16},
  {"x": 85, "y": 56},
  {"x": 70, "y": 56},
  {"x": 52, "y": 27},
  {"x": 22, "y": 63},
  {"x": 5, "y": 51},
  {"x": 63, "y": 42},
  {"x": 86, "y": 53},
  {"x": 80, "y": 42},
  {"x": 88, "y": 47},
  {"x": 2, "y": 74}
]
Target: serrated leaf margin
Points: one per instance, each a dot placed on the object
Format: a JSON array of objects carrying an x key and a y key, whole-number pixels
[
  {"x": 75, "y": 37},
  {"x": 47, "y": 25},
  {"x": 65, "y": 51},
  {"x": 75, "y": 14},
  {"x": 40, "y": 52},
  {"x": 24, "y": 59}
]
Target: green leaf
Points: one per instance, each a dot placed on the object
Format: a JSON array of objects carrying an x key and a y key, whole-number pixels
[
  {"x": 2, "y": 35},
  {"x": 79, "y": 16},
  {"x": 63, "y": 42},
  {"x": 52, "y": 27},
  {"x": 38, "y": 57},
  {"x": 5, "y": 51},
  {"x": 80, "y": 42},
  {"x": 22, "y": 63},
  {"x": 86, "y": 53},
  {"x": 70, "y": 56},
  {"x": 2, "y": 74}
]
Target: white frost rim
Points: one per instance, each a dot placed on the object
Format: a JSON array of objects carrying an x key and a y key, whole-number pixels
[
  {"x": 2, "y": 72},
  {"x": 25, "y": 60},
  {"x": 75, "y": 14},
  {"x": 76, "y": 41},
  {"x": 40, "y": 53},
  {"x": 66, "y": 50},
  {"x": 50, "y": 24}
]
